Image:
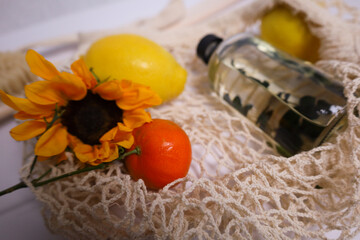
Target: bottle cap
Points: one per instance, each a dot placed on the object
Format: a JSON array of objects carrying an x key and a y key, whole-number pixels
[{"x": 207, "y": 46}]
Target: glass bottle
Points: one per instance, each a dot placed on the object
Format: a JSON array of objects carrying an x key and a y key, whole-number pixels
[{"x": 294, "y": 103}]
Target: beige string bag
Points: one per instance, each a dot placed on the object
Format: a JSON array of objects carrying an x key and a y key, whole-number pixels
[{"x": 236, "y": 188}]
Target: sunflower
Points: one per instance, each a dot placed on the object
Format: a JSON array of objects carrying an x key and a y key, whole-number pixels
[{"x": 75, "y": 110}]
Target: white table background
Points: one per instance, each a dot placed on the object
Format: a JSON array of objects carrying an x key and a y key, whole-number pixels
[{"x": 23, "y": 22}]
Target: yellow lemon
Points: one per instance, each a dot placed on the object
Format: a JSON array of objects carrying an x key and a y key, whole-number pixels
[
  {"x": 289, "y": 32},
  {"x": 138, "y": 59}
]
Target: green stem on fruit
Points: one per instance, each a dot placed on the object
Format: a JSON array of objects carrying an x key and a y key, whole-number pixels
[{"x": 136, "y": 151}]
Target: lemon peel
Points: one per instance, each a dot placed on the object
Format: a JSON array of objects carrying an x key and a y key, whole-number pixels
[
  {"x": 289, "y": 32},
  {"x": 138, "y": 59}
]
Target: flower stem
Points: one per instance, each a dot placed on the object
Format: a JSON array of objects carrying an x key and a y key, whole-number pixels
[
  {"x": 57, "y": 115},
  {"x": 36, "y": 182},
  {"x": 33, "y": 165},
  {"x": 85, "y": 169},
  {"x": 13, "y": 188},
  {"x": 45, "y": 173}
]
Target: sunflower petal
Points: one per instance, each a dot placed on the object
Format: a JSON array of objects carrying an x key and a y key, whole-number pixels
[
  {"x": 94, "y": 155},
  {"x": 121, "y": 135},
  {"x": 126, "y": 143},
  {"x": 113, "y": 153},
  {"x": 41, "y": 158},
  {"x": 136, "y": 96},
  {"x": 109, "y": 135},
  {"x": 80, "y": 69},
  {"x": 59, "y": 158},
  {"x": 24, "y": 116},
  {"x": 44, "y": 93},
  {"x": 52, "y": 142},
  {"x": 28, "y": 130},
  {"x": 22, "y": 104},
  {"x": 117, "y": 133},
  {"x": 109, "y": 90},
  {"x": 107, "y": 152},
  {"x": 85, "y": 153},
  {"x": 136, "y": 118},
  {"x": 40, "y": 66},
  {"x": 70, "y": 85},
  {"x": 128, "y": 95}
]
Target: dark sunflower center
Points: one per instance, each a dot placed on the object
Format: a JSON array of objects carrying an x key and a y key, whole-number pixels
[{"x": 91, "y": 117}]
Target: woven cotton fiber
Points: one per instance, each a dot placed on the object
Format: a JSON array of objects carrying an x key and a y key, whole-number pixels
[{"x": 237, "y": 187}]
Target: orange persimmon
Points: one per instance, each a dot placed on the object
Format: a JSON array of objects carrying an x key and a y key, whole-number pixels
[{"x": 165, "y": 153}]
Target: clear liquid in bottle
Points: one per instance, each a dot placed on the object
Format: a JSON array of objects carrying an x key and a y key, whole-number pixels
[{"x": 291, "y": 101}]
